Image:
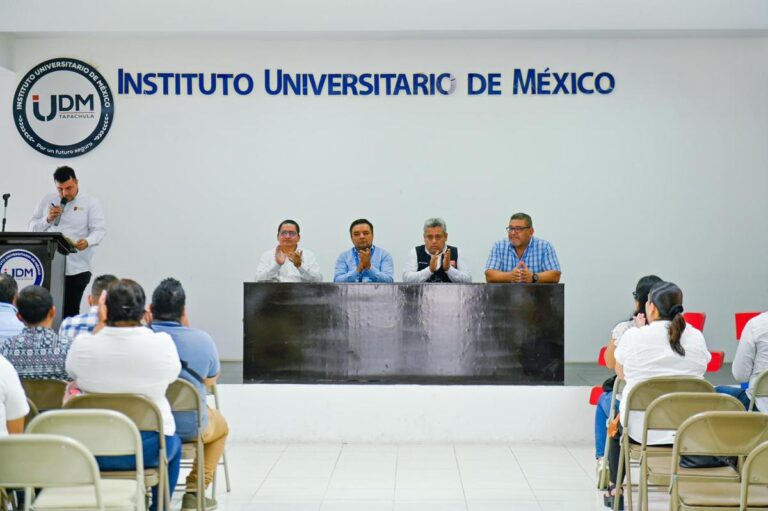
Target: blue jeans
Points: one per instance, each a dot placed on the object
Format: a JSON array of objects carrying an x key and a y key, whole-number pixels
[
  {"x": 151, "y": 447},
  {"x": 602, "y": 411},
  {"x": 739, "y": 393}
]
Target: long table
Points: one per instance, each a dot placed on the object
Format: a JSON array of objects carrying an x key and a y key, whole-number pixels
[{"x": 403, "y": 333}]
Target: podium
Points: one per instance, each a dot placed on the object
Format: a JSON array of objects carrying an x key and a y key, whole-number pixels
[{"x": 37, "y": 258}]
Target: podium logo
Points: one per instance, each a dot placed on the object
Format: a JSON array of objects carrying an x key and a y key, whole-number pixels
[
  {"x": 63, "y": 108},
  {"x": 24, "y": 266}
]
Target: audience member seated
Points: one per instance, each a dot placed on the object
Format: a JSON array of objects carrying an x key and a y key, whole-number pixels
[
  {"x": 751, "y": 359},
  {"x": 13, "y": 402},
  {"x": 85, "y": 323},
  {"x": 199, "y": 366},
  {"x": 9, "y": 323},
  {"x": 125, "y": 357},
  {"x": 602, "y": 411},
  {"x": 663, "y": 347},
  {"x": 37, "y": 352}
]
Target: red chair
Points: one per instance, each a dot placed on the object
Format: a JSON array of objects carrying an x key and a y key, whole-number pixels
[
  {"x": 741, "y": 321},
  {"x": 595, "y": 393},
  {"x": 716, "y": 362},
  {"x": 601, "y": 356},
  {"x": 696, "y": 319}
]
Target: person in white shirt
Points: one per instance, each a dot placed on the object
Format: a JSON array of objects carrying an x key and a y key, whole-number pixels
[
  {"x": 13, "y": 401},
  {"x": 435, "y": 260},
  {"x": 666, "y": 346},
  {"x": 750, "y": 361},
  {"x": 125, "y": 357},
  {"x": 80, "y": 218},
  {"x": 287, "y": 262},
  {"x": 10, "y": 324}
]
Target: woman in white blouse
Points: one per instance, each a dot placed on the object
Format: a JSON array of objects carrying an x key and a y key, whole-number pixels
[{"x": 666, "y": 346}]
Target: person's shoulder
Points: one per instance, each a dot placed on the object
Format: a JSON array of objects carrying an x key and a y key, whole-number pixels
[
  {"x": 542, "y": 242},
  {"x": 383, "y": 251},
  {"x": 6, "y": 368}
]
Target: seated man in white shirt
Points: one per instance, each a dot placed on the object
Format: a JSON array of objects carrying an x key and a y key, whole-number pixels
[
  {"x": 10, "y": 325},
  {"x": 286, "y": 262},
  {"x": 13, "y": 401},
  {"x": 435, "y": 260}
]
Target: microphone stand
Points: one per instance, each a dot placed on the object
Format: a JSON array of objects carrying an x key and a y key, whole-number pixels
[{"x": 6, "y": 196}]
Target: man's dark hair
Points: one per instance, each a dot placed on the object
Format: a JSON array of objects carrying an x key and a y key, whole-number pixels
[
  {"x": 63, "y": 174},
  {"x": 168, "y": 300},
  {"x": 101, "y": 283},
  {"x": 358, "y": 222},
  {"x": 292, "y": 222},
  {"x": 34, "y": 303},
  {"x": 8, "y": 288},
  {"x": 522, "y": 216},
  {"x": 125, "y": 301}
]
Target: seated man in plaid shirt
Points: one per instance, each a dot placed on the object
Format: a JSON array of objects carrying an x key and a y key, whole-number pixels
[
  {"x": 521, "y": 257},
  {"x": 84, "y": 323}
]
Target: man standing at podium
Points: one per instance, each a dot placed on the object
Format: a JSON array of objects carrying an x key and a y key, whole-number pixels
[{"x": 80, "y": 218}]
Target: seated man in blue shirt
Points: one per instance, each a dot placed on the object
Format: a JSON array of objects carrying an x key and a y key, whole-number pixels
[
  {"x": 9, "y": 323},
  {"x": 364, "y": 262},
  {"x": 199, "y": 366},
  {"x": 521, "y": 257}
]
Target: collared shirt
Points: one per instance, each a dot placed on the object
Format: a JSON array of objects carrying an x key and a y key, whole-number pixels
[
  {"x": 645, "y": 352},
  {"x": 198, "y": 353},
  {"x": 268, "y": 269},
  {"x": 37, "y": 352},
  {"x": 411, "y": 273},
  {"x": 752, "y": 355},
  {"x": 13, "y": 401},
  {"x": 539, "y": 256},
  {"x": 381, "y": 270},
  {"x": 9, "y": 323},
  {"x": 82, "y": 323},
  {"x": 131, "y": 360},
  {"x": 82, "y": 218}
]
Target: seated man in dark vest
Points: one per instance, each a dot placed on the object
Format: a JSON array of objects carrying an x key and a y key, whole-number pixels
[{"x": 435, "y": 260}]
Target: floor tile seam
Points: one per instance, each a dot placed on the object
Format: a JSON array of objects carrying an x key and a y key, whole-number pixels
[
  {"x": 330, "y": 476},
  {"x": 394, "y": 486},
  {"x": 461, "y": 481},
  {"x": 266, "y": 476},
  {"x": 567, "y": 448},
  {"x": 533, "y": 492}
]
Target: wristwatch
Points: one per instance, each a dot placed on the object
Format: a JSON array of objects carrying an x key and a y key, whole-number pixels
[{"x": 534, "y": 278}]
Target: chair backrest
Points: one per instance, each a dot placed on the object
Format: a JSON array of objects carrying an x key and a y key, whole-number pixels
[
  {"x": 741, "y": 320},
  {"x": 103, "y": 432},
  {"x": 601, "y": 356},
  {"x": 716, "y": 362},
  {"x": 46, "y": 394},
  {"x": 645, "y": 392},
  {"x": 595, "y": 393},
  {"x": 720, "y": 434},
  {"x": 141, "y": 410},
  {"x": 695, "y": 319},
  {"x": 184, "y": 397},
  {"x": 33, "y": 411},
  {"x": 759, "y": 389},
  {"x": 44, "y": 461},
  {"x": 669, "y": 411}
]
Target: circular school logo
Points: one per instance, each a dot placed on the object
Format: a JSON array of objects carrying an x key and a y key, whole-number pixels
[
  {"x": 24, "y": 266},
  {"x": 63, "y": 108}
]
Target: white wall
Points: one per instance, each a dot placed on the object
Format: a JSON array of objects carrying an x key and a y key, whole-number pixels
[{"x": 665, "y": 175}]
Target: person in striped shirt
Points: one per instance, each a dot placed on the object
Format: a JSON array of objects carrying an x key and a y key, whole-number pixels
[{"x": 84, "y": 323}]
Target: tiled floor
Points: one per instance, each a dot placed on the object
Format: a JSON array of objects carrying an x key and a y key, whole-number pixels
[{"x": 301, "y": 477}]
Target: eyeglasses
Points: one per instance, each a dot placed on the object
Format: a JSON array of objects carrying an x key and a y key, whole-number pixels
[
  {"x": 516, "y": 229},
  {"x": 289, "y": 234}
]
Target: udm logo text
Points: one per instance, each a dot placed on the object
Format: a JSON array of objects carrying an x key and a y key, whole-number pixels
[{"x": 67, "y": 105}]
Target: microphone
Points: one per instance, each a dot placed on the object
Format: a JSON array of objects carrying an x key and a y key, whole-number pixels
[
  {"x": 6, "y": 196},
  {"x": 62, "y": 204}
]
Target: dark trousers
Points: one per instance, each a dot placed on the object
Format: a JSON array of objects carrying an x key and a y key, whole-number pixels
[{"x": 74, "y": 286}]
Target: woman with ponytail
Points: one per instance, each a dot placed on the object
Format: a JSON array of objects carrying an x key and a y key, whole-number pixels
[{"x": 665, "y": 346}]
